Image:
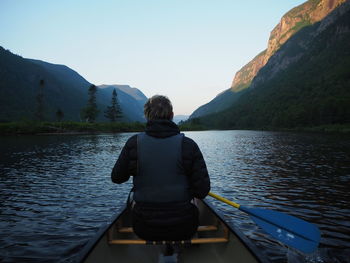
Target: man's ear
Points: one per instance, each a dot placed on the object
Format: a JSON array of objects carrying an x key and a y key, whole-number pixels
[{"x": 172, "y": 116}]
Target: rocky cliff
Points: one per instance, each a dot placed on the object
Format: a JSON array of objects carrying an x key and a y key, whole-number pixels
[
  {"x": 306, "y": 14},
  {"x": 305, "y": 83},
  {"x": 294, "y": 50},
  {"x": 292, "y": 22}
]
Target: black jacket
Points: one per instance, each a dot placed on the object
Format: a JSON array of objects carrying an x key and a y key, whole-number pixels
[{"x": 192, "y": 157}]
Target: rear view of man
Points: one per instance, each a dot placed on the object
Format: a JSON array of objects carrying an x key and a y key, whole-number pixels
[{"x": 168, "y": 171}]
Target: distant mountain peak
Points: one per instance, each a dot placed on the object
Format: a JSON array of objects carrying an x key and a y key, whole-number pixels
[
  {"x": 134, "y": 92},
  {"x": 178, "y": 118},
  {"x": 305, "y": 83},
  {"x": 65, "y": 89},
  {"x": 292, "y": 22},
  {"x": 303, "y": 15}
]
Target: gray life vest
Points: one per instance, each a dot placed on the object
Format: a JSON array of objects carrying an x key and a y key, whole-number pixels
[{"x": 161, "y": 177}]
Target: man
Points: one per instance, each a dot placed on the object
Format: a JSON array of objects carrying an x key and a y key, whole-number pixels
[{"x": 168, "y": 171}]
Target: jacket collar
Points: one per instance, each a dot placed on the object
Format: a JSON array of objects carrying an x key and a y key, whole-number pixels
[{"x": 161, "y": 128}]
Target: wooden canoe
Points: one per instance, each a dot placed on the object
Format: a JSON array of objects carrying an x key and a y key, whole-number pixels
[{"x": 215, "y": 241}]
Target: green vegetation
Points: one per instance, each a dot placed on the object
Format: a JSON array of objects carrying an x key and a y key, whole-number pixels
[
  {"x": 114, "y": 111},
  {"x": 34, "y": 89},
  {"x": 90, "y": 112},
  {"x": 39, "y": 114},
  {"x": 59, "y": 115},
  {"x": 242, "y": 86},
  {"x": 298, "y": 9},
  {"x": 335, "y": 128},
  {"x": 312, "y": 93},
  {"x": 34, "y": 127},
  {"x": 193, "y": 124},
  {"x": 300, "y": 25}
]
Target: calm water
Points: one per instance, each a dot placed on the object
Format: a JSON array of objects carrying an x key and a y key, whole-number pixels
[{"x": 55, "y": 191}]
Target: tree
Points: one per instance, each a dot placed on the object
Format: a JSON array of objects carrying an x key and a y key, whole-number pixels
[
  {"x": 90, "y": 112},
  {"x": 39, "y": 113},
  {"x": 114, "y": 111},
  {"x": 59, "y": 115}
]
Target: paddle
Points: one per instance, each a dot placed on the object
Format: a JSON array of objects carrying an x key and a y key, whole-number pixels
[{"x": 288, "y": 229}]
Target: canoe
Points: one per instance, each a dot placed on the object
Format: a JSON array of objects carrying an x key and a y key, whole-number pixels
[{"x": 215, "y": 241}]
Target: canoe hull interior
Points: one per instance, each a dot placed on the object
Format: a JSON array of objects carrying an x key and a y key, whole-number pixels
[{"x": 214, "y": 242}]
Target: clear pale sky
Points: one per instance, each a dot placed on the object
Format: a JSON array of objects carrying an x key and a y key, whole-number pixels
[{"x": 188, "y": 50}]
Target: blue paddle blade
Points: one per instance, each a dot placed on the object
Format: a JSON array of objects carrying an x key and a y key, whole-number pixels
[{"x": 288, "y": 229}]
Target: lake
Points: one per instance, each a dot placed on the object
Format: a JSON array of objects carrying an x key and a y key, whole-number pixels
[{"x": 56, "y": 191}]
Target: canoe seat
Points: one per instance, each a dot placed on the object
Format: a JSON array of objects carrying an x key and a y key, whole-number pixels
[
  {"x": 200, "y": 240},
  {"x": 200, "y": 229},
  {"x": 165, "y": 242}
]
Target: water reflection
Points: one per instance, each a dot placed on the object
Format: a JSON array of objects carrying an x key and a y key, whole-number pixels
[
  {"x": 56, "y": 191},
  {"x": 305, "y": 175}
]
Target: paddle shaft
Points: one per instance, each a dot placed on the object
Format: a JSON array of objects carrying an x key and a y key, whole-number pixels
[
  {"x": 220, "y": 198},
  {"x": 288, "y": 229}
]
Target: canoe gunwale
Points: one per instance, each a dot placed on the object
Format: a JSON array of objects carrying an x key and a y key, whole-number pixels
[
  {"x": 258, "y": 254},
  {"x": 90, "y": 245}
]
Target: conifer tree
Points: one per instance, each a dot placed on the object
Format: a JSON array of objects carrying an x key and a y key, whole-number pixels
[
  {"x": 114, "y": 111},
  {"x": 39, "y": 113},
  {"x": 59, "y": 115},
  {"x": 90, "y": 112}
]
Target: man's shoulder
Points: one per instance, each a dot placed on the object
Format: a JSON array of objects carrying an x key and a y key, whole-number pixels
[
  {"x": 189, "y": 142},
  {"x": 187, "y": 139},
  {"x": 132, "y": 141}
]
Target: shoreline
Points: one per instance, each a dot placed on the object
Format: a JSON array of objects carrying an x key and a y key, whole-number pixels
[
  {"x": 79, "y": 128},
  {"x": 67, "y": 128}
]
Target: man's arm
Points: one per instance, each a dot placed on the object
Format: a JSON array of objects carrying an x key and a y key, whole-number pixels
[
  {"x": 196, "y": 169},
  {"x": 121, "y": 170}
]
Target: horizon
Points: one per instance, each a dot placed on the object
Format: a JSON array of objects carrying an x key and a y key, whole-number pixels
[{"x": 188, "y": 51}]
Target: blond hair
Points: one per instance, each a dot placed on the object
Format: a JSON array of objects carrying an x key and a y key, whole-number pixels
[{"x": 158, "y": 107}]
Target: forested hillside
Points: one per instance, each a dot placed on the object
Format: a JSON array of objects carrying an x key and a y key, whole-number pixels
[
  {"x": 63, "y": 89},
  {"x": 305, "y": 83},
  {"x": 294, "y": 20}
]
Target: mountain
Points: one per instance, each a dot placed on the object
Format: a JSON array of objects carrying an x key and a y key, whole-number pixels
[
  {"x": 130, "y": 99},
  {"x": 306, "y": 82},
  {"x": 303, "y": 15},
  {"x": 221, "y": 102},
  {"x": 64, "y": 89},
  {"x": 178, "y": 118},
  {"x": 299, "y": 17}
]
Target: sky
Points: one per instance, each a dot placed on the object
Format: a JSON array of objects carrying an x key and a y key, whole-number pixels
[{"x": 188, "y": 50}]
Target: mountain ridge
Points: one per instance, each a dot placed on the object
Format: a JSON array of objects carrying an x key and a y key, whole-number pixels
[
  {"x": 132, "y": 97},
  {"x": 306, "y": 83},
  {"x": 295, "y": 19},
  {"x": 64, "y": 89}
]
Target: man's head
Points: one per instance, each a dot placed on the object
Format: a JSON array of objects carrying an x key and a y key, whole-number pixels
[{"x": 158, "y": 108}]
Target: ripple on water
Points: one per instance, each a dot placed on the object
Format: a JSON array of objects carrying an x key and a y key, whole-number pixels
[{"x": 56, "y": 191}]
